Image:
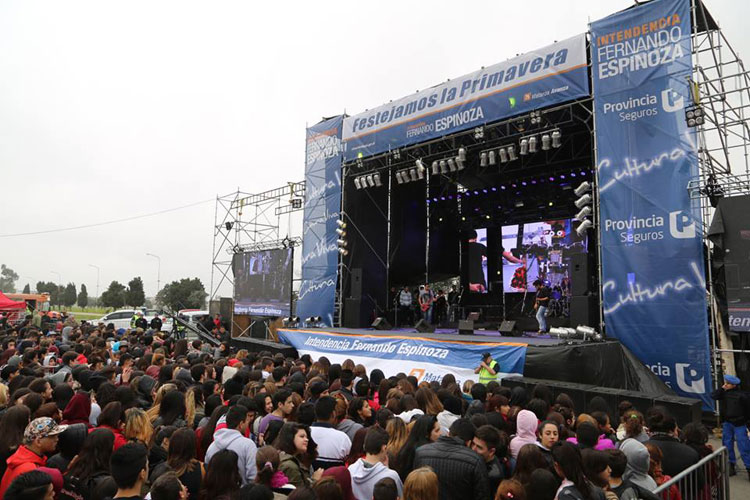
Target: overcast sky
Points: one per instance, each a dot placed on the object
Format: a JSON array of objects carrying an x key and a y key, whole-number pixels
[{"x": 115, "y": 109}]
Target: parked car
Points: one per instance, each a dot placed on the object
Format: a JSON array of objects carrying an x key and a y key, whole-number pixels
[{"x": 120, "y": 318}]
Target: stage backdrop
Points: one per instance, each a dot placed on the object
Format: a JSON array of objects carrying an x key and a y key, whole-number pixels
[
  {"x": 654, "y": 293},
  {"x": 425, "y": 359},
  {"x": 550, "y": 75},
  {"x": 322, "y": 206}
]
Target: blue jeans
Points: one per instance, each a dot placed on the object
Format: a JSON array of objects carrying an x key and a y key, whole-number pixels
[
  {"x": 541, "y": 317},
  {"x": 730, "y": 433},
  {"x": 428, "y": 315}
]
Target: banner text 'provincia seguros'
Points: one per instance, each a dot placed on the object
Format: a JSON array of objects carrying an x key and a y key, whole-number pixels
[
  {"x": 653, "y": 284},
  {"x": 553, "y": 74},
  {"x": 425, "y": 359}
]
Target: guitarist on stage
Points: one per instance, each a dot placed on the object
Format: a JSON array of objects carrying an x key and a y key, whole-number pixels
[
  {"x": 541, "y": 304},
  {"x": 426, "y": 298}
]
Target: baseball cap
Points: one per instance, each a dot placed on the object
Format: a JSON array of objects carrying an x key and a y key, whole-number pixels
[
  {"x": 731, "y": 379},
  {"x": 42, "y": 427}
]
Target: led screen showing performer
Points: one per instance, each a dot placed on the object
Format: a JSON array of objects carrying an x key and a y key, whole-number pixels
[
  {"x": 539, "y": 251},
  {"x": 477, "y": 250},
  {"x": 262, "y": 282}
]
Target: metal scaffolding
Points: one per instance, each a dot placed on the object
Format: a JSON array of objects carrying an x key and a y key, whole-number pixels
[
  {"x": 721, "y": 90},
  {"x": 248, "y": 222}
]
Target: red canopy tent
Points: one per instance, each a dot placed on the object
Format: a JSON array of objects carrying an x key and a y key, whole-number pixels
[{"x": 7, "y": 304}]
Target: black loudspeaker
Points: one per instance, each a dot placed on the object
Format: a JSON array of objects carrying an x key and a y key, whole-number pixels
[
  {"x": 226, "y": 305},
  {"x": 355, "y": 290},
  {"x": 465, "y": 327},
  {"x": 424, "y": 326},
  {"x": 508, "y": 328},
  {"x": 258, "y": 329},
  {"x": 580, "y": 276},
  {"x": 381, "y": 323},
  {"x": 351, "y": 313},
  {"x": 583, "y": 311}
]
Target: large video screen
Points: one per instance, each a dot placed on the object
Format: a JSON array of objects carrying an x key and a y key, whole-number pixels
[
  {"x": 263, "y": 282},
  {"x": 477, "y": 250},
  {"x": 539, "y": 251}
]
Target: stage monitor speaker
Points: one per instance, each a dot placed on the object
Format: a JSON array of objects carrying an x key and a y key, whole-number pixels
[
  {"x": 424, "y": 326},
  {"x": 355, "y": 290},
  {"x": 508, "y": 328},
  {"x": 466, "y": 327},
  {"x": 351, "y": 313},
  {"x": 381, "y": 323},
  {"x": 583, "y": 311},
  {"x": 580, "y": 278}
]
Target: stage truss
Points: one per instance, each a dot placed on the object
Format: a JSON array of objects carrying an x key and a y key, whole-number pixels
[
  {"x": 248, "y": 222},
  {"x": 721, "y": 88}
]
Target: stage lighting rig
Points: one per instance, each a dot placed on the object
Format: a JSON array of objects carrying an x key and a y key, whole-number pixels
[
  {"x": 479, "y": 133},
  {"x": 443, "y": 167},
  {"x": 583, "y": 201},
  {"x": 556, "y": 139},
  {"x": 451, "y": 164},
  {"x": 584, "y": 205},
  {"x": 435, "y": 169},
  {"x": 533, "y": 144},
  {"x": 492, "y": 158},
  {"x": 290, "y": 322},
  {"x": 585, "y": 187},
  {"x": 585, "y": 212},
  {"x": 512, "y": 156},
  {"x": 546, "y": 142},
  {"x": 461, "y": 154},
  {"x": 376, "y": 176},
  {"x": 483, "y": 159},
  {"x": 694, "y": 116},
  {"x": 524, "y": 149},
  {"x": 503, "y": 155}
]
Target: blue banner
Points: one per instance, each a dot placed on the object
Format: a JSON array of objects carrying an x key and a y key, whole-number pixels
[
  {"x": 653, "y": 284},
  {"x": 550, "y": 75},
  {"x": 424, "y": 358},
  {"x": 322, "y": 207}
]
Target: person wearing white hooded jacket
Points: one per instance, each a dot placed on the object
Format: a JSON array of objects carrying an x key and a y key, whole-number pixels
[{"x": 366, "y": 472}]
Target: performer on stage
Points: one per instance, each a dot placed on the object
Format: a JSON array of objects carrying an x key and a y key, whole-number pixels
[{"x": 541, "y": 304}]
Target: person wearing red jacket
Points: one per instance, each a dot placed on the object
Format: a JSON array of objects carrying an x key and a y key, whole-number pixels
[{"x": 39, "y": 440}]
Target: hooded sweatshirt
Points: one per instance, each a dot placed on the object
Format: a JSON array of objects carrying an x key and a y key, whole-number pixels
[
  {"x": 22, "y": 461},
  {"x": 365, "y": 475},
  {"x": 446, "y": 419},
  {"x": 78, "y": 410},
  {"x": 232, "y": 439},
  {"x": 526, "y": 424},
  {"x": 638, "y": 461}
]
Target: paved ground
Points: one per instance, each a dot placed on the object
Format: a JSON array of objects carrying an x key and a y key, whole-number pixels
[{"x": 739, "y": 485}]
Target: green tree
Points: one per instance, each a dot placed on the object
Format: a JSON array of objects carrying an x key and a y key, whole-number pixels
[
  {"x": 135, "y": 296},
  {"x": 8, "y": 278},
  {"x": 114, "y": 296},
  {"x": 184, "y": 294},
  {"x": 52, "y": 289},
  {"x": 69, "y": 296},
  {"x": 26, "y": 289},
  {"x": 83, "y": 297}
]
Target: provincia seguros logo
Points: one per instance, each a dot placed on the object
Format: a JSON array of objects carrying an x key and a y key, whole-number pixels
[
  {"x": 647, "y": 105},
  {"x": 638, "y": 230},
  {"x": 687, "y": 378}
]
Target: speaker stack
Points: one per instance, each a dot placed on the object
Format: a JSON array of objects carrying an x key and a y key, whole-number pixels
[{"x": 583, "y": 301}]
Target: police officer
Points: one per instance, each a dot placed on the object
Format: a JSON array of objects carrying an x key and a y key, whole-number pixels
[{"x": 734, "y": 407}]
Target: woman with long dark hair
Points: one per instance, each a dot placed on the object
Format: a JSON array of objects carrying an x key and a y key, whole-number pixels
[
  {"x": 206, "y": 433},
  {"x": 181, "y": 459},
  {"x": 14, "y": 422},
  {"x": 426, "y": 430},
  {"x": 111, "y": 418},
  {"x": 294, "y": 445},
  {"x": 530, "y": 458},
  {"x": 90, "y": 468},
  {"x": 172, "y": 410},
  {"x": 569, "y": 466},
  {"x": 222, "y": 481}
]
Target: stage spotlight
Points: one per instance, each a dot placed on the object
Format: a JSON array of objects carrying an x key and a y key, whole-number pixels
[
  {"x": 435, "y": 168},
  {"x": 503, "y": 155},
  {"x": 585, "y": 331},
  {"x": 443, "y": 167},
  {"x": 451, "y": 165},
  {"x": 289, "y": 322},
  {"x": 560, "y": 333},
  {"x": 413, "y": 174},
  {"x": 343, "y": 251},
  {"x": 357, "y": 183},
  {"x": 532, "y": 144},
  {"x": 460, "y": 163},
  {"x": 546, "y": 140},
  {"x": 340, "y": 223},
  {"x": 341, "y": 243},
  {"x": 524, "y": 147},
  {"x": 479, "y": 133},
  {"x": 585, "y": 212},
  {"x": 694, "y": 116},
  {"x": 584, "y": 226},
  {"x": 584, "y": 187},
  {"x": 519, "y": 204},
  {"x": 582, "y": 201},
  {"x": 483, "y": 159},
  {"x": 396, "y": 154},
  {"x": 340, "y": 232},
  {"x": 512, "y": 156},
  {"x": 491, "y": 158},
  {"x": 376, "y": 177},
  {"x": 556, "y": 139},
  {"x": 399, "y": 179},
  {"x": 229, "y": 225},
  {"x": 370, "y": 181},
  {"x": 420, "y": 172},
  {"x": 461, "y": 154}
]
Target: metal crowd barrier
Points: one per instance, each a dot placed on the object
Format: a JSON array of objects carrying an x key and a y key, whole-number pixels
[{"x": 706, "y": 480}]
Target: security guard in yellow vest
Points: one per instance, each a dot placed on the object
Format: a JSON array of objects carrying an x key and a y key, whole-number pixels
[{"x": 487, "y": 369}]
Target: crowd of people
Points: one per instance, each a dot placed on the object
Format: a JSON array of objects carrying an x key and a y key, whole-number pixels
[{"x": 89, "y": 412}]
